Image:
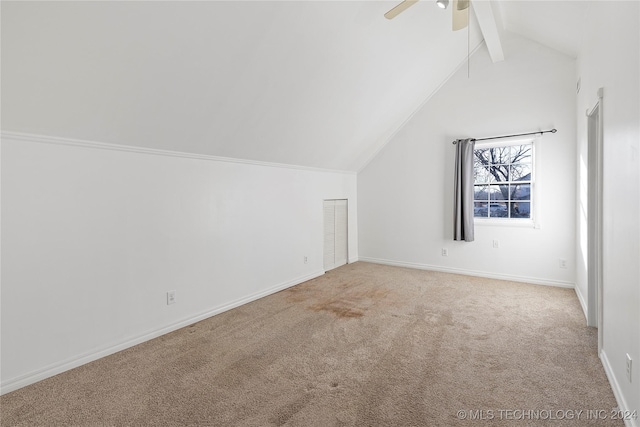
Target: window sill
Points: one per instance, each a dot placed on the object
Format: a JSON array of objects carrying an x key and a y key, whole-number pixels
[{"x": 525, "y": 223}]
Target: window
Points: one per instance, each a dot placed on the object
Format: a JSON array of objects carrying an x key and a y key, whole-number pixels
[{"x": 503, "y": 180}]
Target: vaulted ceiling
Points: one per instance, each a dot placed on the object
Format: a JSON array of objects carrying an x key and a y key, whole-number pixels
[{"x": 311, "y": 83}]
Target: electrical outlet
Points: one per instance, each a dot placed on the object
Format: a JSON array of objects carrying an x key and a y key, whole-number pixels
[
  {"x": 496, "y": 244},
  {"x": 171, "y": 297},
  {"x": 305, "y": 259},
  {"x": 445, "y": 252},
  {"x": 562, "y": 263},
  {"x": 629, "y": 367}
]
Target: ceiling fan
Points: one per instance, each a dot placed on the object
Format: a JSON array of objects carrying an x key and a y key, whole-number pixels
[{"x": 460, "y": 11}]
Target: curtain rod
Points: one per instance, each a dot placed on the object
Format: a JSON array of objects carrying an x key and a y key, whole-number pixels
[{"x": 509, "y": 136}]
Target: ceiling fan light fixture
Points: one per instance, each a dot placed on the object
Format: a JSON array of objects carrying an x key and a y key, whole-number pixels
[{"x": 442, "y": 4}]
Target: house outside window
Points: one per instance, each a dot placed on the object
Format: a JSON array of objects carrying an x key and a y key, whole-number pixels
[{"x": 503, "y": 179}]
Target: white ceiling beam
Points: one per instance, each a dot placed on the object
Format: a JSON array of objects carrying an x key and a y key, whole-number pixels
[{"x": 489, "y": 28}]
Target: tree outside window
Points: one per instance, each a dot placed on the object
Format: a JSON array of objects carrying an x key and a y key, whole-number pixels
[{"x": 502, "y": 181}]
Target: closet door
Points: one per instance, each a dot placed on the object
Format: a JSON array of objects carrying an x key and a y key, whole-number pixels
[
  {"x": 329, "y": 234},
  {"x": 335, "y": 234},
  {"x": 341, "y": 233}
]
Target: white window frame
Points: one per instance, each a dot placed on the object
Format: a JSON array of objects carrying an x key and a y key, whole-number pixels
[{"x": 533, "y": 221}]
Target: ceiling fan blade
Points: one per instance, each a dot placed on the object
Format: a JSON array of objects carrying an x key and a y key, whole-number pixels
[
  {"x": 460, "y": 14},
  {"x": 406, "y": 4}
]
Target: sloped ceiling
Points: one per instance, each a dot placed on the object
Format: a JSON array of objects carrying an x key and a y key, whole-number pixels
[
  {"x": 555, "y": 24},
  {"x": 310, "y": 83},
  {"x": 307, "y": 83}
]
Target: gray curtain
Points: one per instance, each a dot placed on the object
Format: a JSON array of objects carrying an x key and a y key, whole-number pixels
[{"x": 463, "y": 187}]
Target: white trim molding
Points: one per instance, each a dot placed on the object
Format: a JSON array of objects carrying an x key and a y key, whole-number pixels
[
  {"x": 19, "y": 136},
  {"x": 57, "y": 368},
  {"x": 465, "y": 272},
  {"x": 617, "y": 391},
  {"x": 583, "y": 302}
]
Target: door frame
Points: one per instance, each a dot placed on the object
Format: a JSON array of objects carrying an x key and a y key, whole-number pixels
[{"x": 594, "y": 218}]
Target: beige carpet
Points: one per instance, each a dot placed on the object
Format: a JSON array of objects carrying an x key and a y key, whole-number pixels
[{"x": 364, "y": 345}]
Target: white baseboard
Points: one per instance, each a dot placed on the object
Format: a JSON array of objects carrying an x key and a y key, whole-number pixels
[
  {"x": 57, "y": 368},
  {"x": 352, "y": 260},
  {"x": 525, "y": 279},
  {"x": 617, "y": 391},
  {"x": 583, "y": 302}
]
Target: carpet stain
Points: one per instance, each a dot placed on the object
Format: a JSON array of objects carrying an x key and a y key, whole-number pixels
[
  {"x": 352, "y": 299},
  {"x": 338, "y": 309}
]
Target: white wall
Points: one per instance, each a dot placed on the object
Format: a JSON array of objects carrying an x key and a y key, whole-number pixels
[
  {"x": 609, "y": 59},
  {"x": 405, "y": 195},
  {"x": 92, "y": 239}
]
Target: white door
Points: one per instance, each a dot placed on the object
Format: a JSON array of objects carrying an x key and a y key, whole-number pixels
[{"x": 335, "y": 234}]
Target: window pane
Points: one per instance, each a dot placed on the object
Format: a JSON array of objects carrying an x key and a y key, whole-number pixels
[
  {"x": 521, "y": 192},
  {"x": 481, "y": 192},
  {"x": 521, "y": 172},
  {"x": 502, "y": 181},
  {"x": 499, "y": 173},
  {"x": 481, "y": 157},
  {"x": 520, "y": 154},
  {"x": 499, "y": 192},
  {"x": 480, "y": 174},
  {"x": 480, "y": 209},
  {"x": 520, "y": 209},
  {"x": 499, "y": 155},
  {"x": 498, "y": 210}
]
